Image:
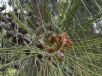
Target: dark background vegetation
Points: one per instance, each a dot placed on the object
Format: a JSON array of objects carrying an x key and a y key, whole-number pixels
[{"x": 31, "y": 22}]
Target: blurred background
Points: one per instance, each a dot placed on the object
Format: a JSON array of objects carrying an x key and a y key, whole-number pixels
[{"x": 27, "y": 24}]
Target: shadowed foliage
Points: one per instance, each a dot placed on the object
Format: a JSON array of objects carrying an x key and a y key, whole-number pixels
[{"x": 51, "y": 38}]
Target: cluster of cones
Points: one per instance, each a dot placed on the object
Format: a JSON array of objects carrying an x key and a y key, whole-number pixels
[{"x": 61, "y": 40}]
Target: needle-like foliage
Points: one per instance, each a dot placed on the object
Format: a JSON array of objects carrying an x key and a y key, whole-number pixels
[{"x": 27, "y": 56}]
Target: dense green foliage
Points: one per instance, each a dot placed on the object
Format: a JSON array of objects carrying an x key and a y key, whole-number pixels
[{"x": 20, "y": 54}]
